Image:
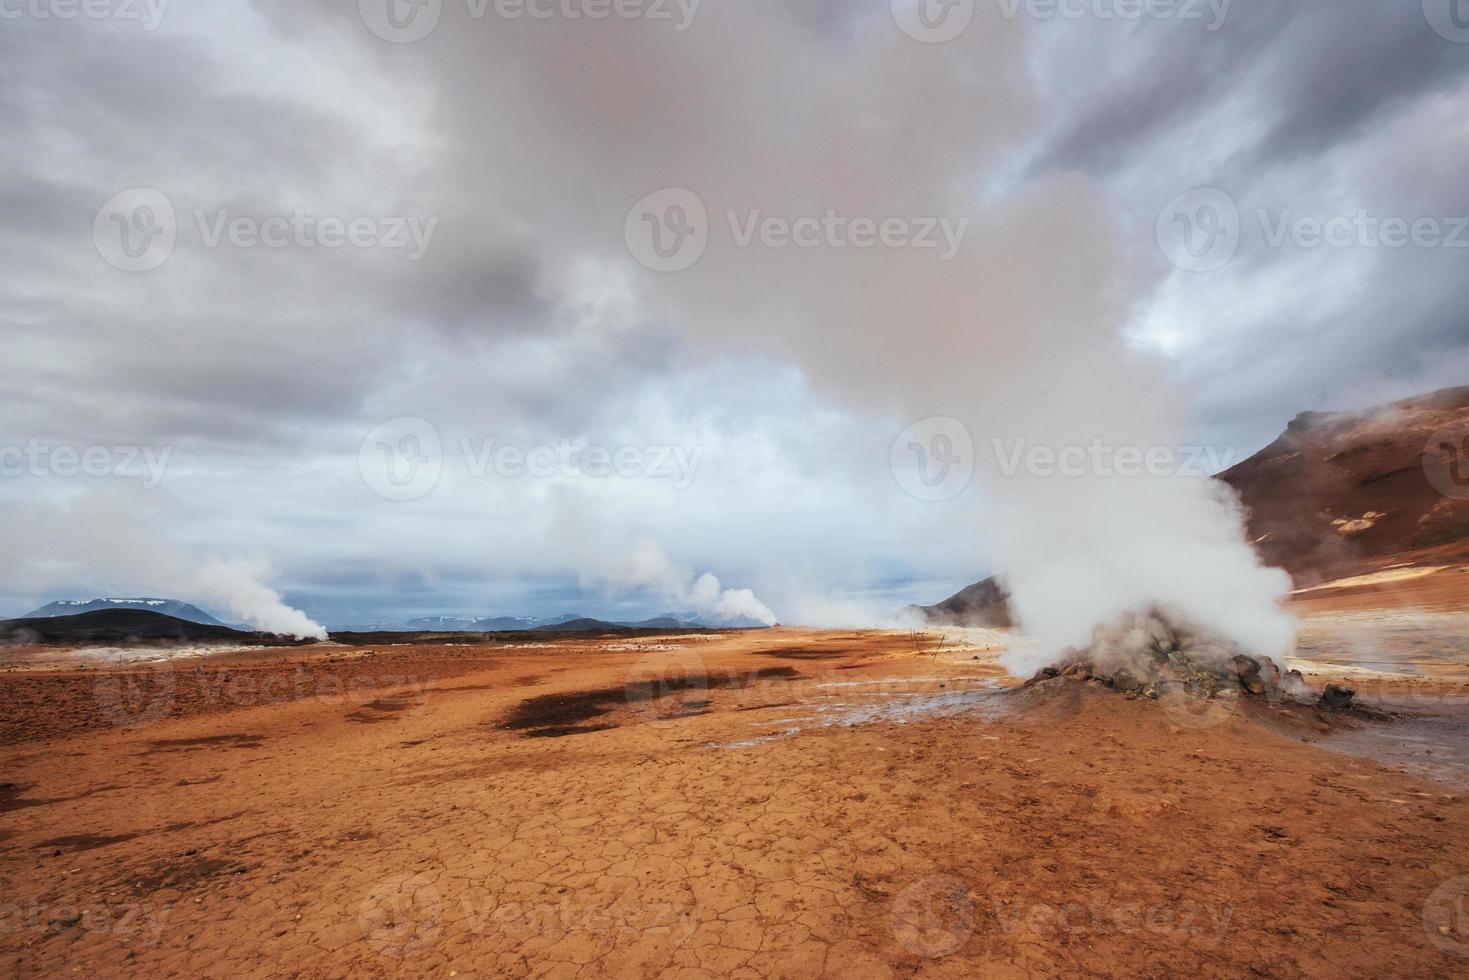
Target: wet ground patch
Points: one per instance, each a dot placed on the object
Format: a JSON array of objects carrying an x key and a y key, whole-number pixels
[{"x": 1435, "y": 748}]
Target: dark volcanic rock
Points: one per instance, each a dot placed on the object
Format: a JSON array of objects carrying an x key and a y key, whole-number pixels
[
  {"x": 1078, "y": 670},
  {"x": 1248, "y": 670},
  {"x": 1149, "y": 656},
  {"x": 1124, "y": 681},
  {"x": 1338, "y": 698}
]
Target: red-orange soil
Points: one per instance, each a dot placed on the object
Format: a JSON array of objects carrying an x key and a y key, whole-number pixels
[{"x": 765, "y": 804}]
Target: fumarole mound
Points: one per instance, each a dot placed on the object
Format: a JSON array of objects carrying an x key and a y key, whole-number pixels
[{"x": 1151, "y": 655}]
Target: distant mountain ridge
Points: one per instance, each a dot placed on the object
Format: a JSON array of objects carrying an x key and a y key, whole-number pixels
[
  {"x": 124, "y": 625},
  {"x": 570, "y": 623},
  {"x": 587, "y": 625},
  {"x": 487, "y": 624},
  {"x": 168, "y": 607},
  {"x": 566, "y": 622}
]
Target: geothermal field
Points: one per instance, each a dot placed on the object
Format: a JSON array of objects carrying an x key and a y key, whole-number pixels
[
  {"x": 741, "y": 489},
  {"x": 764, "y": 803}
]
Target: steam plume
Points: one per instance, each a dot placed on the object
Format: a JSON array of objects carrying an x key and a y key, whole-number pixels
[
  {"x": 1019, "y": 336},
  {"x": 239, "y": 586},
  {"x": 645, "y": 565}
]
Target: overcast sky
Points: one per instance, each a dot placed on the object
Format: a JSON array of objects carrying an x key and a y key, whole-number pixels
[{"x": 354, "y": 292}]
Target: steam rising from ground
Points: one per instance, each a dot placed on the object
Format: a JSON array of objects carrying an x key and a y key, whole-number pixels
[
  {"x": 239, "y": 586},
  {"x": 645, "y": 565},
  {"x": 1082, "y": 555},
  {"x": 1134, "y": 643},
  {"x": 726, "y": 604},
  {"x": 1018, "y": 336},
  {"x": 108, "y": 543}
]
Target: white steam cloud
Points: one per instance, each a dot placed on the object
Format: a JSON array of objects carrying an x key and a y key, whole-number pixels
[
  {"x": 845, "y": 118},
  {"x": 1076, "y": 555},
  {"x": 707, "y": 595},
  {"x": 645, "y": 565},
  {"x": 239, "y": 586}
]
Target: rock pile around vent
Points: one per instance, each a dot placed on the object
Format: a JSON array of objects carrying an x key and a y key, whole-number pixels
[{"x": 1148, "y": 656}]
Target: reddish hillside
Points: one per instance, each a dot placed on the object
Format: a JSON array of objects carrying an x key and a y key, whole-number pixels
[
  {"x": 1344, "y": 492},
  {"x": 981, "y": 604},
  {"x": 1338, "y": 494}
]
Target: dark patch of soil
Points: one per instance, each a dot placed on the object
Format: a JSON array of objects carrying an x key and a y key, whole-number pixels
[
  {"x": 363, "y": 718},
  {"x": 187, "y": 744},
  {"x": 560, "y": 710},
  {"x": 804, "y": 653},
  {"x": 383, "y": 709},
  {"x": 82, "y": 842},
  {"x": 10, "y": 798},
  {"x": 561, "y": 731},
  {"x": 183, "y": 874},
  {"x": 386, "y": 704},
  {"x": 559, "y": 715}
]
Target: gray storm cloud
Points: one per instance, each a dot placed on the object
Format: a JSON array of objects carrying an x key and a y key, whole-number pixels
[
  {"x": 1052, "y": 144},
  {"x": 1018, "y": 336}
]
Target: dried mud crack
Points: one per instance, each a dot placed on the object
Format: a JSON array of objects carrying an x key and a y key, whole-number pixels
[{"x": 979, "y": 842}]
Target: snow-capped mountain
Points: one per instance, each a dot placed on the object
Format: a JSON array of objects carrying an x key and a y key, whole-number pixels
[{"x": 169, "y": 607}]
